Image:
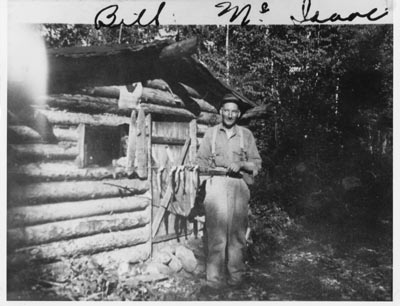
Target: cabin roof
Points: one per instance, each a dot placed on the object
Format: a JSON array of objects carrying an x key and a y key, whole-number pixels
[
  {"x": 109, "y": 50},
  {"x": 74, "y": 68}
]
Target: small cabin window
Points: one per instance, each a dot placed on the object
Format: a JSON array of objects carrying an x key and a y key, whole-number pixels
[{"x": 102, "y": 145}]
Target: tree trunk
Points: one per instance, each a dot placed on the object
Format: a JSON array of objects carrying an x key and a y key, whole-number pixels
[{"x": 227, "y": 54}]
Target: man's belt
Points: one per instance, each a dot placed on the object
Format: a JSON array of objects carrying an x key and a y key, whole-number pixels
[
  {"x": 217, "y": 171},
  {"x": 221, "y": 171}
]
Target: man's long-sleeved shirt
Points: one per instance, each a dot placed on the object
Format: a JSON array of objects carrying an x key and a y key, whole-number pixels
[{"x": 227, "y": 149}]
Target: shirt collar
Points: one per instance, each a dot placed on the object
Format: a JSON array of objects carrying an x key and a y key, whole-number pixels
[{"x": 234, "y": 129}]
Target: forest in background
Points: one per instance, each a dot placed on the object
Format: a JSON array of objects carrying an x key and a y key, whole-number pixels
[{"x": 326, "y": 141}]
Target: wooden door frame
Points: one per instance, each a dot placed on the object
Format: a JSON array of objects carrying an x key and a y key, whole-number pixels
[{"x": 189, "y": 149}]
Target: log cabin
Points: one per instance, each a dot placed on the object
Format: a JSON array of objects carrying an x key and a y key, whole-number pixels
[{"x": 111, "y": 180}]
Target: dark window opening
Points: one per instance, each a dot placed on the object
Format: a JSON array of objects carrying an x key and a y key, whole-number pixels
[{"x": 103, "y": 144}]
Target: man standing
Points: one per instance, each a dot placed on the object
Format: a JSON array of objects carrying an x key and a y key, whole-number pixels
[{"x": 232, "y": 148}]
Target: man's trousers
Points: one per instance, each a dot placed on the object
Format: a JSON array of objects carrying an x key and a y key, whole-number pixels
[{"x": 226, "y": 209}]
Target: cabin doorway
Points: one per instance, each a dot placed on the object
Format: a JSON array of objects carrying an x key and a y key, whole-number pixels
[{"x": 173, "y": 189}]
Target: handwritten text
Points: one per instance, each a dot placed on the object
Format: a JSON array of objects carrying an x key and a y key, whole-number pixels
[
  {"x": 107, "y": 17},
  {"x": 227, "y": 7},
  {"x": 306, "y": 7}
]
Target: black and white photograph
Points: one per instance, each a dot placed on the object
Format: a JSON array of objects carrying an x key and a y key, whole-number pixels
[{"x": 152, "y": 159}]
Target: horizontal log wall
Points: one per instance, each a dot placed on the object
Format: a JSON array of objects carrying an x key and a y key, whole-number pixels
[
  {"x": 68, "y": 229},
  {"x": 168, "y": 112},
  {"x": 154, "y": 101},
  {"x": 43, "y": 151},
  {"x": 79, "y": 246},
  {"x": 85, "y": 104},
  {"x": 40, "y": 193},
  {"x": 66, "y": 134},
  {"x": 65, "y": 211},
  {"x": 151, "y": 95},
  {"x": 62, "y": 171},
  {"x": 40, "y": 214},
  {"x": 68, "y": 118},
  {"x": 57, "y": 210},
  {"x": 107, "y": 216},
  {"x": 24, "y": 134},
  {"x": 160, "y": 94},
  {"x": 89, "y": 104}
]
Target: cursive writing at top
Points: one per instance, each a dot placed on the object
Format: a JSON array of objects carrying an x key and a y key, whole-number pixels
[
  {"x": 227, "y": 8},
  {"x": 107, "y": 17},
  {"x": 335, "y": 16}
]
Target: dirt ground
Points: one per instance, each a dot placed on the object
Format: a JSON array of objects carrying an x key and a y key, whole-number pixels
[{"x": 309, "y": 263}]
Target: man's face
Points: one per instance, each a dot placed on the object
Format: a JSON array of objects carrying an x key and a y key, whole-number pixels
[{"x": 230, "y": 114}]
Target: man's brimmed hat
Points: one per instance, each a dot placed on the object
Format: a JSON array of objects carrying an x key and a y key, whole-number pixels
[
  {"x": 231, "y": 98},
  {"x": 243, "y": 103}
]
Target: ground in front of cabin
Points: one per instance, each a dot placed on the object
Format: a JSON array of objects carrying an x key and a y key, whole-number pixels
[{"x": 295, "y": 261}]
